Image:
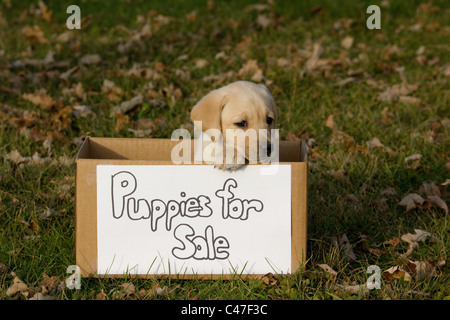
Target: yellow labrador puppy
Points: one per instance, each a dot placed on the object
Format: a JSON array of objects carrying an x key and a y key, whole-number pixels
[{"x": 236, "y": 122}]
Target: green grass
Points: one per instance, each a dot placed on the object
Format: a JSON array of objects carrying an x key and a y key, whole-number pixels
[{"x": 349, "y": 205}]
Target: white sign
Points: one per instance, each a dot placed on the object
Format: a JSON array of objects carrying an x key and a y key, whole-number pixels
[{"x": 192, "y": 220}]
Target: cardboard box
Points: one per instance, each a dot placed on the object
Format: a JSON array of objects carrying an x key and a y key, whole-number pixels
[{"x": 142, "y": 152}]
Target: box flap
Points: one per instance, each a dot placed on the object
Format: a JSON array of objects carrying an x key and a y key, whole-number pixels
[{"x": 161, "y": 149}]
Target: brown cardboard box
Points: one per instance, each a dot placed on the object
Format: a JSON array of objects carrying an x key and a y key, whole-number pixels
[{"x": 132, "y": 151}]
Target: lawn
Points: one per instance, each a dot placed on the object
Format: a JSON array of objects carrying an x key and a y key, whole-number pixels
[{"x": 372, "y": 105}]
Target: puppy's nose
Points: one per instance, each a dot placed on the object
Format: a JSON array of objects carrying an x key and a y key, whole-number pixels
[{"x": 269, "y": 149}]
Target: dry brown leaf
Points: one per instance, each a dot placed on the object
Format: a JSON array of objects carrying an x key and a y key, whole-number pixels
[
  {"x": 41, "y": 296},
  {"x": 34, "y": 34},
  {"x": 156, "y": 290},
  {"x": 341, "y": 241},
  {"x": 436, "y": 200},
  {"x": 411, "y": 201},
  {"x": 331, "y": 124},
  {"x": 200, "y": 63},
  {"x": 49, "y": 284},
  {"x": 314, "y": 62},
  {"x": 422, "y": 270},
  {"x": 413, "y": 161},
  {"x": 327, "y": 269},
  {"x": 40, "y": 99},
  {"x": 89, "y": 59},
  {"x": 409, "y": 100},
  {"x": 347, "y": 42},
  {"x": 396, "y": 273},
  {"x": 389, "y": 191},
  {"x": 128, "y": 288},
  {"x": 374, "y": 143},
  {"x": 263, "y": 21},
  {"x": 128, "y": 105},
  {"x": 429, "y": 189},
  {"x": 19, "y": 287},
  {"x": 414, "y": 239},
  {"x": 418, "y": 236},
  {"x": 396, "y": 91},
  {"x": 291, "y": 136},
  {"x": 45, "y": 13},
  {"x": 393, "y": 242},
  {"x": 121, "y": 121},
  {"x": 353, "y": 289},
  {"x": 112, "y": 92},
  {"x": 100, "y": 296},
  {"x": 252, "y": 70},
  {"x": 269, "y": 279},
  {"x": 82, "y": 111},
  {"x": 3, "y": 268}
]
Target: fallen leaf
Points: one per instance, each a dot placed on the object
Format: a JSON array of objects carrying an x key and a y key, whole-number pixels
[
  {"x": 128, "y": 105},
  {"x": 422, "y": 270},
  {"x": 414, "y": 239},
  {"x": 121, "y": 121},
  {"x": 347, "y": 42},
  {"x": 41, "y": 296},
  {"x": 374, "y": 143},
  {"x": 341, "y": 241},
  {"x": 418, "y": 236},
  {"x": 252, "y": 70},
  {"x": 3, "y": 268},
  {"x": 389, "y": 191},
  {"x": 200, "y": 63},
  {"x": 396, "y": 91},
  {"x": 396, "y": 273},
  {"x": 156, "y": 290},
  {"x": 331, "y": 124},
  {"x": 45, "y": 13},
  {"x": 112, "y": 92},
  {"x": 47, "y": 213},
  {"x": 34, "y": 34},
  {"x": 40, "y": 99},
  {"x": 327, "y": 269},
  {"x": 429, "y": 189},
  {"x": 128, "y": 288},
  {"x": 100, "y": 296},
  {"x": 263, "y": 21},
  {"x": 82, "y": 111},
  {"x": 413, "y": 161},
  {"x": 409, "y": 100},
  {"x": 436, "y": 200},
  {"x": 89, "y": 59},
  {"x": 393, "y": 242},
  {"x": 19, "y": 287},
  {"x": 314, "y": 61},
  {"x": 269, "y": 279},
  {"x": 49, "y": 284},
  {"x": 353, "y": 289},
  {"x": 411, "y": 201}
]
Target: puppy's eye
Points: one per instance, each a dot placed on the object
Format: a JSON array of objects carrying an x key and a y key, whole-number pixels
[
  {"x": 269, "y": 120},
  {"x": 241, "y": 124}
]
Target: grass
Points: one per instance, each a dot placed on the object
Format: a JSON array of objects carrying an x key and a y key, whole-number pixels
[{"x": 348, "y": 202}]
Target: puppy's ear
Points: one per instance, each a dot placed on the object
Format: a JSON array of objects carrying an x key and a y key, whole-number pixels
[
  {"x": 270, "y": 100},
  {"x": 209, "y": 110}
]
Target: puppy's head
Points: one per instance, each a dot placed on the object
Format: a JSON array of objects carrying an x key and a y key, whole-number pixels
[{"x": 244, "y": 111}]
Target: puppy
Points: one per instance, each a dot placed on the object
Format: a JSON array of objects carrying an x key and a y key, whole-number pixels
[{"x": 236, "y": 121}]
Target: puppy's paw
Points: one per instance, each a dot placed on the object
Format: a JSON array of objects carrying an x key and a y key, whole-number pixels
[
  {"x": 230, "y": 165},
  {"x": 227, "y": 167}
]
